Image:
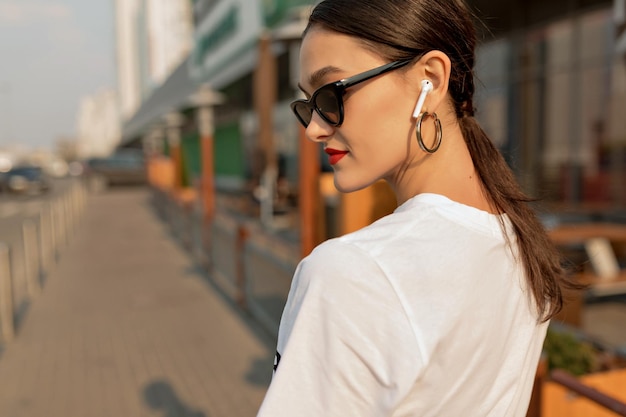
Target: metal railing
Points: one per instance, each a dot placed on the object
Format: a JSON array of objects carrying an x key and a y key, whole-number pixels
[
  {"x": 575, "y": 385},
  {"x": 43, "y": 236}
]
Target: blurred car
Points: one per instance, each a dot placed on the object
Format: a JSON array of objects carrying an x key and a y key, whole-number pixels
[
  {"x": 123, "y": 168},
  {"x": 24, "y": 180}
]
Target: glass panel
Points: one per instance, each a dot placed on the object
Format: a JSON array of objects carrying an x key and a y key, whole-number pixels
[
  {"x": 554, "y": 99},
  {"x": 491, "y": 79},
  {"x": 558, "y": 127},
  {"x": 595, "y": 40},
  {"x": 615, "y": 148},
  {"x": 531, "y": 91}
]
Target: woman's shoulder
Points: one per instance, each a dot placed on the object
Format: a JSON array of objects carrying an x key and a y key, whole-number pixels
[
  {"x": 341, "y": 265},
  {"x": 339, "y": 254},
  {"x": 363, "y": 249}
]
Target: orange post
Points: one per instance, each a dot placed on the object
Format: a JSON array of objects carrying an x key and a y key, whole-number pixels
[
  {"x": 205, "y": 99},
  {"x": 264, "y": 97},
  {"x": 208, "y": 187},
  {"x": 309, "y": 195}
]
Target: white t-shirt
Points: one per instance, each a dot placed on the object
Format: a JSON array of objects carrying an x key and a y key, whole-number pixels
[{"x": 425, "y": 312}]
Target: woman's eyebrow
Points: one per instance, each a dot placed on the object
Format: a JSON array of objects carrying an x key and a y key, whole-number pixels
[{"x": 316, "y": 78}]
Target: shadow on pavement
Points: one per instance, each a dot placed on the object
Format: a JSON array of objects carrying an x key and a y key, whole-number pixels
[
  {"x": 160, "y": 396},
  {"x": 260, "y": 371},
  {"x": 21, "y": 311}
]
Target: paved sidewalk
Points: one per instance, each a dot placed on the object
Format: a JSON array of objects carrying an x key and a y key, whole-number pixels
[{"x": 126, "y": 326}]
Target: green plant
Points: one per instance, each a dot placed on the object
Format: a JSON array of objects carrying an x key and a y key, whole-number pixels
[{"x": 565, "y": 351}]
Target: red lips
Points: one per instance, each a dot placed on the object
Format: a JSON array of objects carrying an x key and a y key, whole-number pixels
[{"x": 335, "y": 155}]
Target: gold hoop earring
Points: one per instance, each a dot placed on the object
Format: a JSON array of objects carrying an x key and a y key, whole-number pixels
[{"x": 418, "y": 132}]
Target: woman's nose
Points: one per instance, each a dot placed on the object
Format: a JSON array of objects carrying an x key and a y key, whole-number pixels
[{"x": 318, "y": 129}]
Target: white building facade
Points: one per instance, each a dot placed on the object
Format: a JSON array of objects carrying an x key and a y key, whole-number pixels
[
  {"x": 98, "y": 129},
  {"x": 153, "y": 38},
  {"x": 127, "y": 56},
  {"x": 170, "y": 30}
]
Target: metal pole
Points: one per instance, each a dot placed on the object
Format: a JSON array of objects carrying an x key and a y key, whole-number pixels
[
  {"x": 572, "y": 383},
  {"x": 44, "y": 246},
  {"x": 7, "y": 326},
  {"x": 53, "y": 233},
  {"x": 62, "y": 222},
  {"x": 31, "y": 257}
]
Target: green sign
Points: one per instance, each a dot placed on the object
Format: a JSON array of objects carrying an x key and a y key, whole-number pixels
[
  {"x": 226, "y": 28},
  {"x": 276, "y": 10}
]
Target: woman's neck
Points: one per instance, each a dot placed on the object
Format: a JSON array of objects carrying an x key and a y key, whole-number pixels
[{"x": 449, "y": 172}]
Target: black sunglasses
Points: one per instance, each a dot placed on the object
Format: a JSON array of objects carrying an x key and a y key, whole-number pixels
[{"x": 327, "y": 100}]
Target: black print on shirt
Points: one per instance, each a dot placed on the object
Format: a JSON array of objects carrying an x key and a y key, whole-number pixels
[{"x": 276, "y": 360}]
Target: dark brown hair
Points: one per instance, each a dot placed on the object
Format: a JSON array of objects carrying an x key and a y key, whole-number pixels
[{"x": 403, "y": 29}]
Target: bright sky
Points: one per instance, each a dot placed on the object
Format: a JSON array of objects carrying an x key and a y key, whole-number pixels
[{"x": 52, "y": 53}]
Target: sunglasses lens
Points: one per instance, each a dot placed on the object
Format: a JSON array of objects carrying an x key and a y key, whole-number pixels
[
  {"x": 327, "y": 103},
  {"x": 303, "y": 111}
]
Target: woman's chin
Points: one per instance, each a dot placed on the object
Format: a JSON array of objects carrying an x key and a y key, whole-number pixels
[{"x": 344, "y": 186}]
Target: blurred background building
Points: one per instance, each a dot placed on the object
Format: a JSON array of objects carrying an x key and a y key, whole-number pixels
[
  {"x": 551, "y": 92},
  {"x": 127, "y": 57},
  {"x": 553, "y": 96},
  {"x": 98, "y": 128}
]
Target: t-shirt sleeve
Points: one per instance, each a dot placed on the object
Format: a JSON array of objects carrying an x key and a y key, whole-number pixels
[{"x": 346, "y": 346}]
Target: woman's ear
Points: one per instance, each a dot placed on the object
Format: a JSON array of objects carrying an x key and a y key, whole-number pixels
[{"x": 435, "y": 66}]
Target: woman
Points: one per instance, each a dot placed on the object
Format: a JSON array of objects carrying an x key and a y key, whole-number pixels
[{"x": 441, "y": 308}]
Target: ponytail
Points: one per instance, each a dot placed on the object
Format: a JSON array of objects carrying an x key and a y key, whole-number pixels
[{"x": 544, "y": 272}]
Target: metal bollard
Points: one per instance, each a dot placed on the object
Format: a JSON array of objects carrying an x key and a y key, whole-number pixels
[
  {"x": 45, "y": 247},
  {"x": 75, "y": 205},
  {"x": 53, "y": 232},
  {"x": 72, "y": 213},
  {"x": 62, "y": 223},
  {"x": 240, "y": 269},
  {"x": 69, "y": 224},
  {"x": 69, "y": 227},
  {"x": 31, "y": 257},
  {"x": 7, "y": 326},
  {"x": 82, "y": 197}
]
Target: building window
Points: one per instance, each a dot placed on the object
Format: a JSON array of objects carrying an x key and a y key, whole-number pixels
[{"x": 553, "y": 100}]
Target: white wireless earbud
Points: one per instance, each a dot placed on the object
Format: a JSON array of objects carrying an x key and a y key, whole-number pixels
[{"x": 427, "y": 87}]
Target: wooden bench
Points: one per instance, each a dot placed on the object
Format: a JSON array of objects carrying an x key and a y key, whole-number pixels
[{"x": 602, "y": 274}]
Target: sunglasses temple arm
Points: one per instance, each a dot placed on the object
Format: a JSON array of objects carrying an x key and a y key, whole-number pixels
[{"x": 349, "y": 82}]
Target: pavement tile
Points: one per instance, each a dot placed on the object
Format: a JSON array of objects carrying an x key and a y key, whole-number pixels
[{"x": 126, "y": 326}]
